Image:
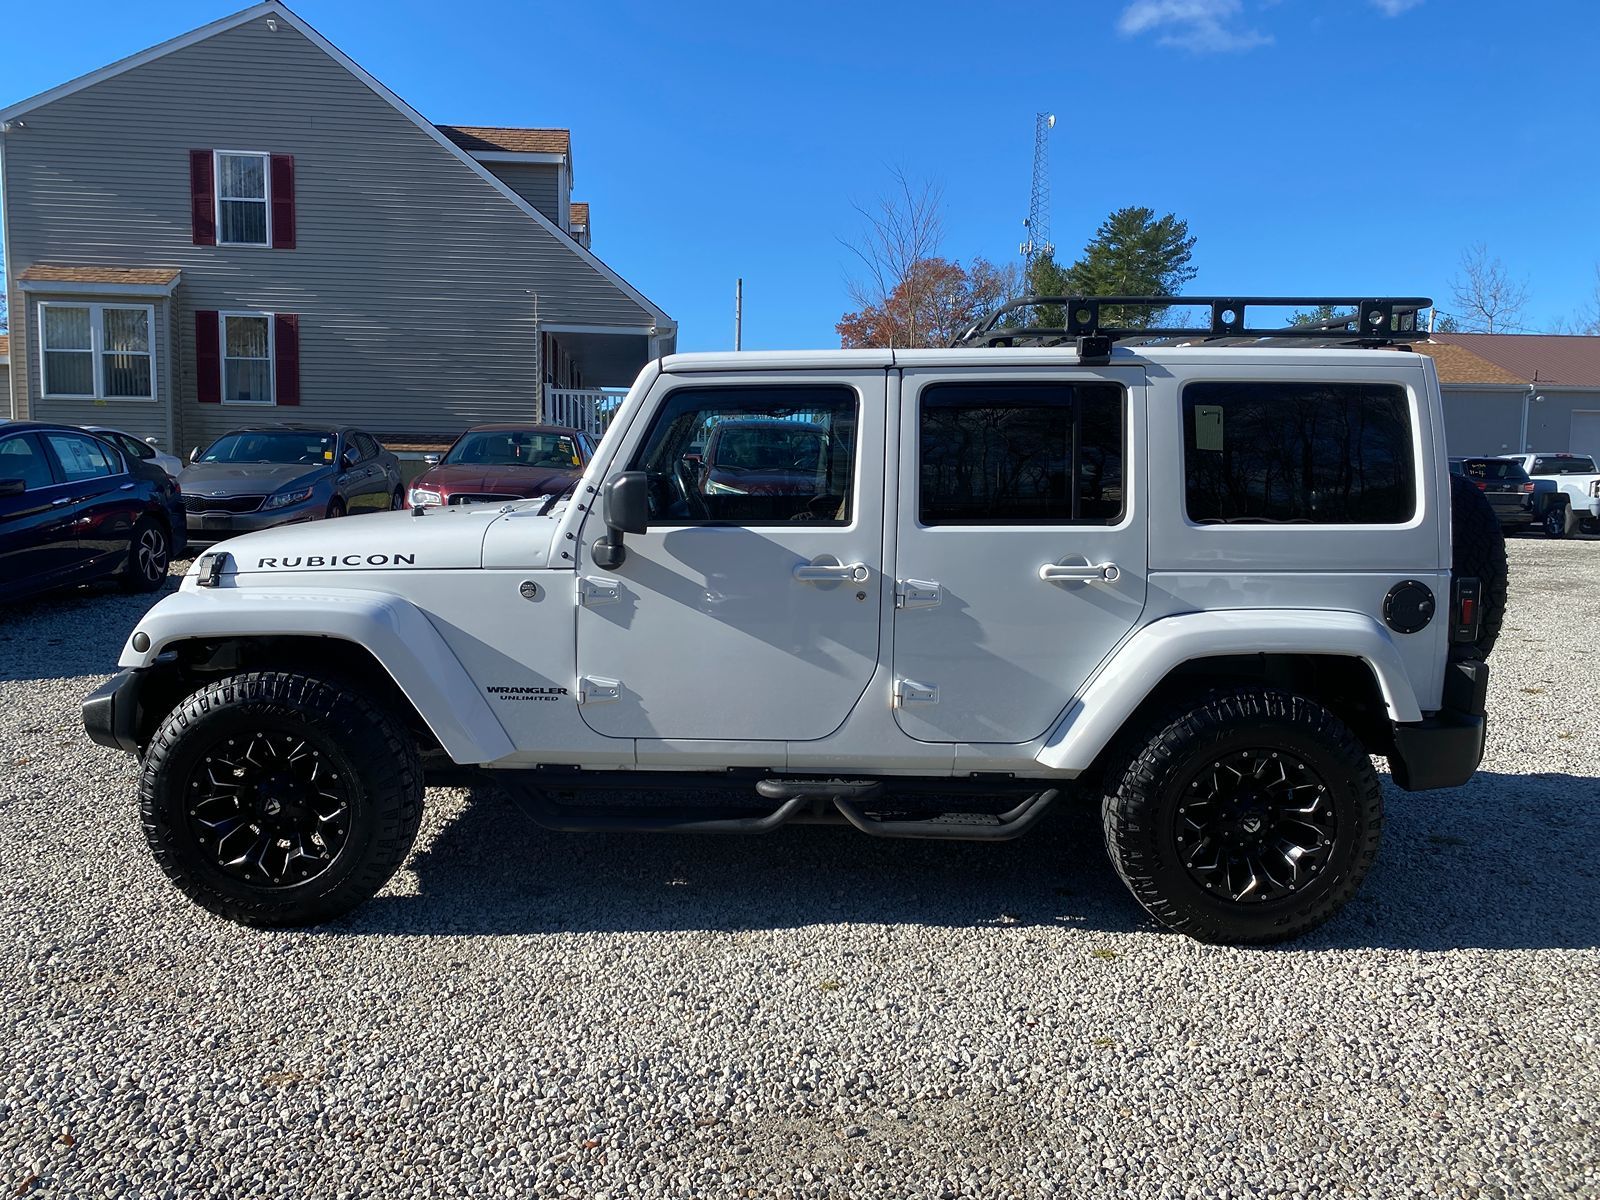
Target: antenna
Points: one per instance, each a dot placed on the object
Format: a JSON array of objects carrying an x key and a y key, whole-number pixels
[{"x": 1038, "y": 222}]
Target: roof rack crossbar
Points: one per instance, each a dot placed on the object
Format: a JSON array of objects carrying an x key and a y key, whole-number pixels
[{"x": 1371, "y": 321}]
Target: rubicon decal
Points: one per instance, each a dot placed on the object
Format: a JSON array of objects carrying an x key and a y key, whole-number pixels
[
  {"x": 501, "y": 691},
  {"x": 337, "y": 560}
]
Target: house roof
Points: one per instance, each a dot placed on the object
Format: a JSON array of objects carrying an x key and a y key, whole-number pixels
[
  {"x": 578, "y": 213},
  {"x": 280, "y": 11},
  {"x": 145, "y": 276},
  {"x": 1557, "y": 359},
  {"x": 508, "y": 139},
  {"x": 1457, "y": 364}
]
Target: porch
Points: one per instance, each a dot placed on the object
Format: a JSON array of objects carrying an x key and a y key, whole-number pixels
[{"x": 587, "y": 369}]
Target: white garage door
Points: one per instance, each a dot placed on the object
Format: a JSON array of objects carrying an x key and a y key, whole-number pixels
[{"x": 1585, "y": 434}]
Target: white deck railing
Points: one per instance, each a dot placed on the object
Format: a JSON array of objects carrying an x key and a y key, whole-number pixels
[{"x": 582, "y": 408}]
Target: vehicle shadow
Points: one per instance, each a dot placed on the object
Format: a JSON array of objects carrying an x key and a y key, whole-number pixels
[{"x": 1503, "y": 863}]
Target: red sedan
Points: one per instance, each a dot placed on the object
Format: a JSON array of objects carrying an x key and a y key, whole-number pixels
[{"x": 504, "y": 462}]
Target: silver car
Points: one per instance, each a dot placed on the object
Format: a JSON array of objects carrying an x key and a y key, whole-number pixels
[{"x": 264, "y": 475}]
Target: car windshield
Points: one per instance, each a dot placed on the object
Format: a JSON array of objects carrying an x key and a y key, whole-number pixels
[
  {"x": 271, "y": 446},
  {"x": 515, "y": 448},
  {"x": 1565, "y": 464},
  {"x": 1494, "y": 468},
  {"x": 768, "y": 448}
]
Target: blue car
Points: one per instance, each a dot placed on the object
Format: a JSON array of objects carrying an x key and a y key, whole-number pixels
[{"x": 75, "y": 508}]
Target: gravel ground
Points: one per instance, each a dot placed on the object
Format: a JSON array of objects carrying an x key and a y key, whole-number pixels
[{"x": 812, "y": 1013}]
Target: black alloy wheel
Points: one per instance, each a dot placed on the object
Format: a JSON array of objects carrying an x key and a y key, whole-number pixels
[
  {"x": 266, "y": 807},
  {"x": 1255, "y": 825}
]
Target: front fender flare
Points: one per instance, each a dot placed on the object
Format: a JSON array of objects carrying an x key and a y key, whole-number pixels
[
  {"x": 1145, "y": 659},
  {"x": 393, "y": 630}
]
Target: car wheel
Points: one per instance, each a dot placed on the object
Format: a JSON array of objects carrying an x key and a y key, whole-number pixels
[
  {"x": 1245, "y": 816},
  {"x": 398, "y": 500},
  {"x": 1554, "y": 523},
  {"x": 335, "y": 508},
  {"x": 277, "y": 799},
  {"x": 149, "y": 557}
]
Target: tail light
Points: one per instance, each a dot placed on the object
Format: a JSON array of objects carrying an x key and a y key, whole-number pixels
[
  {"x": 1528, "y": 487},
  {"x": 1482, "y": 486},
  {"x": 1465, "y": 610}
]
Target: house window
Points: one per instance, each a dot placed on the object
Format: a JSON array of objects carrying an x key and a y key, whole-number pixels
[
  {"x": 246, "y": 358},
  {"x": 97, "y": 351},
  {"x": 243, "y": 211}
]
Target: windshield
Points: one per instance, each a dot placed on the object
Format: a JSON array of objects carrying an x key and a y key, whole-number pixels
[
  {"x": 272, "y": 446},
  {"x": 1564, "y": 464},
  {"x": 515, "y": 448},
  {"x": 771, "y": 447}
]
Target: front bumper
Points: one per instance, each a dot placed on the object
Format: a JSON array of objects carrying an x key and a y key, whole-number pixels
[
  {"x": 1444, "y": 750},
  {"x": 111, "y": 712}
]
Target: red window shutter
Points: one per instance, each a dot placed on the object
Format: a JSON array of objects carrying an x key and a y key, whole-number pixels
[
  {"x": 286, "y": 357},
  {"x": 202, "y": 199},
  {"x": 283, "y": 202},
  {"x": 207, "y": 357}
]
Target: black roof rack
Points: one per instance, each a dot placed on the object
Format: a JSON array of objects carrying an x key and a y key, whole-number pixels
[{"x": 1371, "y": 321}]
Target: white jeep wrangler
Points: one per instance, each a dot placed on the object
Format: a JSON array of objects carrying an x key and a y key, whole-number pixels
[{"x": 1198, "y": 577}]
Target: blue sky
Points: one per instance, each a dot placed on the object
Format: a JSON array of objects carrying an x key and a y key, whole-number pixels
[{"x": 1355, "y": 146}]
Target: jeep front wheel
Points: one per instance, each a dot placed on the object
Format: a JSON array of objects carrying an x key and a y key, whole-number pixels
[
  {"x": 1247, "y": 816},
  {"x": 277, "y": 799}
]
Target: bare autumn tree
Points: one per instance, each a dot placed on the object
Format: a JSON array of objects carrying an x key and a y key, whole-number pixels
[
  {"x": 936, "y": 301},
  {"x": 901, "y": 232},
  {"x": 1488, "y": 299}
]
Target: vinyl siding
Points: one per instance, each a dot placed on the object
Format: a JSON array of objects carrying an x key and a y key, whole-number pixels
[
  {"x": 5, "y": 387},
  {"x": 1482, "y": 420},
  {"x": 142, "y": 418},
  {"x": 415, "y": 280},
  {"x": 537, "y": 183},
  {"x": 1550, "y": 421}
]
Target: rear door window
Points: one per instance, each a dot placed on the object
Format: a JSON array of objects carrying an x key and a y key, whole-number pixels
[
  {"x": 1268, "y": 452},
  {"x": 83, "y": 457}
]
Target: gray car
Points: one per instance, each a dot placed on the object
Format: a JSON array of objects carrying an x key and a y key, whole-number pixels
[{"x": 259, "y": 476}]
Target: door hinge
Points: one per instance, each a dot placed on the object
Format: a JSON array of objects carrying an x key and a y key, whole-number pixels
[
  {"x": 909, "y": 691},
  {"x": 915, "y": 593},
  {"x": 593, "y": 690},
  {"x": 593, "y": 590}
]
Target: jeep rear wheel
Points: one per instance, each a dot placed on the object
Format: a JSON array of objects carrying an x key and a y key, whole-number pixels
[
  {"x": 276, "y": 799},
  {"x": 1247, "y": 816}
]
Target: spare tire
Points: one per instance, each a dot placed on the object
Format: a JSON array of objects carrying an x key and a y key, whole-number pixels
[{"x": 1478, "y": 551}]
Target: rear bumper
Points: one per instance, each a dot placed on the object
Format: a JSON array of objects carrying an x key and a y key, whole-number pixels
[
  {"x": 110, "y": 712},
  {"x": 1444, "y": 750}
]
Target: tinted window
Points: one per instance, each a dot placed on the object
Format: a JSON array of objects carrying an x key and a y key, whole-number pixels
[
  {"x": 21, "y": 458},
  {"x": 514, "y": 448},
  {"x": 751, "y": 455},
  {"x": 1564, "y": 464},
  {"x": 83, "y": 457},
  {"x": 1493, "y": 469},
  {"x": 1021, "y": 452},
  {"x": 271, "y": 446},
  {"x": 1306, "y": 453}
]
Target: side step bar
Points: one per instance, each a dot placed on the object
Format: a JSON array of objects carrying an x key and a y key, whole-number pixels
[{"x": 803, "y": 801}]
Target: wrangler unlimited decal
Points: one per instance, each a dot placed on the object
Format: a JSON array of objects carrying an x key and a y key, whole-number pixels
[
  {"x": 339, "y": 560},
  {"x": 504, "y": 691}
]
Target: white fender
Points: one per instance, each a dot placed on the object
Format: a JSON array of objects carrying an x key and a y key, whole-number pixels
[
  {"x": 1122, "y": 683},
  {"x": 395, "y": 631}
]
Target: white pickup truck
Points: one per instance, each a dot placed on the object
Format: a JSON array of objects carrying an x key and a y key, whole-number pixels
[{"x": 1574, "y": 475}]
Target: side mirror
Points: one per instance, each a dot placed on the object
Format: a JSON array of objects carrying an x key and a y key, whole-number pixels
[
  {"x": 625, "y": 506},
  {"x": 351, "y": 458},
  {"x": 150, "y": 441},
  {"x": 431, "y": 460},
  {"x": 13, "y": 487},
  {"x": 194, "y": 454}
]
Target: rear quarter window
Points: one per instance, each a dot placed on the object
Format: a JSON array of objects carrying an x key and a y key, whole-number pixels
[{"x": 1280, "y": 452}]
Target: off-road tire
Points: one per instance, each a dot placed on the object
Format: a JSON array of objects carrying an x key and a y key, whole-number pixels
[
  {"x": 1147, "y": 782},
  {"x": 149, "y": 556},
  {"x": 357, "y": 736},
  {"x": 1478, "y": 551}
]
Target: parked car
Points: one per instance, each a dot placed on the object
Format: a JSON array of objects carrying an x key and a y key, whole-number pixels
[
  {"x": 780, "y": 466},
  {"x": 259, "y": 476},
  {"x": 1575, "y": 476},
  {"x": 145, "y": 450},
  {"x": 1506, "y": 486},
  {"x": 75, "y": 508},
  {"x": 504, "y": 462}
]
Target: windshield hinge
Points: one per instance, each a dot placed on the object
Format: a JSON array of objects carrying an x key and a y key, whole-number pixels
[
  {"x": 593, "y": 590},
  {"x": 909, "y": 691},
  {"x": 915, "y": 593},
  {"x": 594, "y": 690}
]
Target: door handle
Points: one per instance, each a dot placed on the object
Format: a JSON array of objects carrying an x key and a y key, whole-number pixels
[
  {"x": 844, "y": 573},
  {"x": 1107, "y": 572},
  {"x": 59, "y": 501}
]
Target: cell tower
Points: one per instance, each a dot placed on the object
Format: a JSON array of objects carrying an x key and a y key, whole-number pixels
[{"x": 1038, "y": 222}]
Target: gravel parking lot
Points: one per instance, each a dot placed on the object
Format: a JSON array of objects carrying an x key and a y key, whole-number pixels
[{"x": 811, "y": 1013}]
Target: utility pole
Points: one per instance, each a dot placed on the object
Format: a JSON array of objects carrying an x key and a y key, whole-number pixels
[
  {"x": 738, "y": 313},
  {"x": 1038, "y": 222}
]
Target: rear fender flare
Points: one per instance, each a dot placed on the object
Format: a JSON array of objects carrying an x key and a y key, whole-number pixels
[
  {"x": 1150, "y": 654},
  {"x": 393, "y": 630}
]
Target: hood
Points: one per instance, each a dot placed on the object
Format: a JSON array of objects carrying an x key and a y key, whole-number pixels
[
  {"x": 235, "y": 479},
  {"x": 505, "y": 480},
  {"x": 438, "y": 540}
]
